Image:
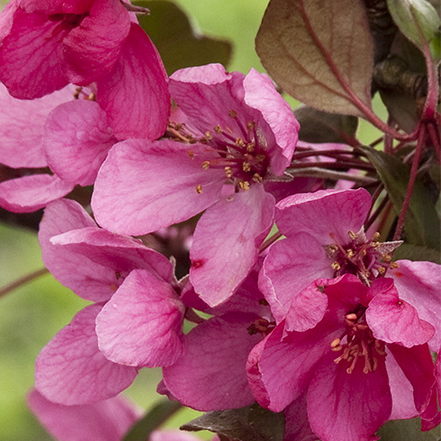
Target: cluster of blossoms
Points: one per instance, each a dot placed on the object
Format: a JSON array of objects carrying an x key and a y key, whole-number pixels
[{"x": 322, "y": 325}]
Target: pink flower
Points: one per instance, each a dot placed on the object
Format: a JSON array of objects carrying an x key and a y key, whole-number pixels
[
  {"x": 325, "y": 238},
  {"x": 102, "y": 421},
  {"x": 347, "y": 347},
  {"x": 211, "y": 374},
  {"x": 46, "y": 45},
  {"x": 135, "y": 322},
  {"x": 237, "y": 133}
]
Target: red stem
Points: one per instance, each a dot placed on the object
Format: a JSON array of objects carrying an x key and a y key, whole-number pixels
[{"x": 409, "y": 191}]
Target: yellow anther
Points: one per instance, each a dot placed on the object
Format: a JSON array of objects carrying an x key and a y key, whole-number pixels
[
  {"x": 260, "y": 157},
  {"x": 351, "y": 316},
  {"x": 375, "y": 237},
  {"x": 240, "y": 142},
  {"x": 218, "y": 129},
  {"x": 335, "y": 266},
  {"x": 232, "y": 113},
  {"x": 190, "y": 153},
  {"x": 205, "y": 165},
  {"x": 376, "y": 244},
  {"x": 349, "y": 253},
  {"x": 199, "y": 189},
  {"x": 257, "y": 178},
  {"x": 381, "y": 270},
  {"x": 244, "y": 185},
  {"x": 250, "y": 147},
  {"x": 386, "y": 257},
  {"x": 352, "y": 235},
  {"x": 208, "y": 135},
  {"x": 246, "y": 166},
  {"x": 91, "y": 97},
  {"x": 394, "y": 265},
  {"x": 251, "y": 125},
  {"x": 335, "y": 343},
  {"x": 228, "y": 172}
]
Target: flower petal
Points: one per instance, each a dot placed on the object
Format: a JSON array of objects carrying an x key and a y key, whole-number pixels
[
  {"x": 77, "y": 139},
  {"x": 419, "y": 284},
  {"x": 135, "y": 93},
  {"x": 211, "y": 373},
  {"x": 225, "y": 243},
  {"x": 347, "y": 406},
  {"x": 142, "y": 324},
  {"x": 393, "y": 320},
  {"x": 71, "y": 370},
  {"x": 144, "y": 186},
  {"x": 21, "y": 127},
  {"x": 324, "y": 212},
  {"x": 105, "y": 420},
  {"x": 30, "y": 193}
]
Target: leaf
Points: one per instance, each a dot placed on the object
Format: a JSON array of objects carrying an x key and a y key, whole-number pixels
[
  {"x": 142, "y": 429},
  {"x": 251, "y": 423},
  {"x": 419, "y": 21},
  {"x": 415, "y": 252},
  {"x": 422, "y": 225},
  {"x": 407, "y": 430},
  {"x": 319, "y": 51},
  {"x": 178, "y": 44},
  {"x": 317, "y": 126}
]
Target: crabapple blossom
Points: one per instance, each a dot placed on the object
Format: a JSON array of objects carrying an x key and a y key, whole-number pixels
[
  {"x": 332, "y": 346},
  {"x": 119, "y": 273},
  {"x": 107, "y": 420},
  {"x": 231, "y": 133},
  {"x": 44, "y": 46}
]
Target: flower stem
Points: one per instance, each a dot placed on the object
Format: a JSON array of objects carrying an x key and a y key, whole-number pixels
[
  {"x": 413, "y": 173},
  {"x": 6, "y": 289}
]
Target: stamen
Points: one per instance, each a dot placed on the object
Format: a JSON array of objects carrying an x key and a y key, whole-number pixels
[
  {"x": 250, "y": 147},
  {"x": 257, "y": 178},
  {"x": 199, "y": 189},
  {"x": 246, "y": 167},
  {"x": 335, "y": 266},
  {"x": 232, "y": 113},
  {"x": 244, "y": 185},
  {"x": 208, "y": 135},
  {"x": 218, "y": 129},
  {"x": 352, "y": 235},
  {"x": 228, "y": 172},
  {"x": 190, "y": 153},
  {"x": 251, "y": 125},
  {"x": 205, "y": 165}
]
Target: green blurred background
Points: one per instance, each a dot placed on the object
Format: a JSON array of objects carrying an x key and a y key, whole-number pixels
[{"x": 31, "y": 315}]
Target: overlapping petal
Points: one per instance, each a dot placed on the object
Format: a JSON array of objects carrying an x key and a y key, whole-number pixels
[{"x": 71, "y": 369}]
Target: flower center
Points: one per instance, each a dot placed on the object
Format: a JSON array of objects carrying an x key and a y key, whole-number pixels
[
  {"x": 241, "y": 152},
  {"x": 261, "y": 326},
  {"x": 367, "y": 259},
  {"x": 360, "y": 345}
]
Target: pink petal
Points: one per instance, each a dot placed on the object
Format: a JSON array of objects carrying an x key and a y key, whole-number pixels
[
  {"x": 211, "y": 373},
  {"x": 296, "y": 422},
  {"x": 261, "y": 94},
  {"x": 324, "y": 212},
  {"x": 21, "y": 127},
  {"x": 225, "y": 243},
  {"x": 403, "y": 406},
  {"x": 290, "y": 266},
  {"x": 30, "y": 193},
  {"x": 419, "y": 284},
  {"x": 86, "y": 278},
  {"x": 307, "y": 309},
  {"x": 71, "y": 370},
  {"x": 57, "y": 6},
  {"x": 30, "y": 56},
  {"x": 144, "y": 186},
  {"x": 77, "y": 140},
  {"x": 119, "y": 253},
  {"x": 135, "y": 94},
  {"x": 91, "y": 49},
  {"x": 105, "y": 420},
  {"x": 142, "y": 324},
  {"x": 417, "y": 364},
  {"x": 349, "y": 407},
  {"x": 287, "y": 363},
  {"x": 393, "y": 320}
]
